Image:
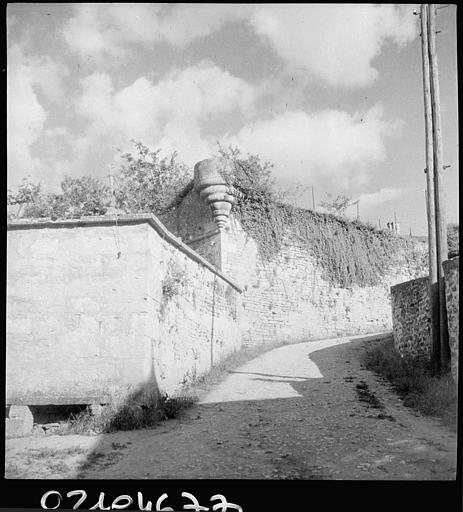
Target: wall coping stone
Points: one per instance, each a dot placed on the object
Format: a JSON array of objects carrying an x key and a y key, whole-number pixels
[
  {"x": 452, "y": 263},
  {"x": 124, "y": 219},
  {"x": 407, "y": 283}
]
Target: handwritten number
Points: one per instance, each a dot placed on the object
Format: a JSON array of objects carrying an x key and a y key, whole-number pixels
[
  {"x": 158, "y": 504},
  {"x": 125, "y": 497},
  {"x": 223, "y": 506},
  {"x": 43, "y": 501},
  {"x": 149, "y": 505},
  {"x": 80, "y": 501},
  {"x": 195, "y": 506},
  {"x": 100, "y": 504}
]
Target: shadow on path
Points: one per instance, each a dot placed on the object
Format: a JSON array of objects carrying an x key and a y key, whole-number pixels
[{"x": 292, "y": 413}]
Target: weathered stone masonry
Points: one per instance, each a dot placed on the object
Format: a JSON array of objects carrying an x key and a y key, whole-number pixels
[
  {"x": 98, "y": 307},
  {"x": 287, "y": 299},
  {"x": 452, "y": 286},
  {"x": 411, "y": 315}
]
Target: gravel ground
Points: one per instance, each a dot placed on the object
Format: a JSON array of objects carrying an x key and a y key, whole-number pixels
[{"x": 305, "y": 411}]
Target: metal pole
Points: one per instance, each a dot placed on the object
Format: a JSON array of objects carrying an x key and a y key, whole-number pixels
[
  {"x": 439, "y": 198},
  {"x": 313, "y": 200},
  {"x": 429, "y": 194}
]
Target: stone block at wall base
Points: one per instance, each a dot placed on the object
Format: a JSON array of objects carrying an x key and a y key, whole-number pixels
[{"x": 19, "y": 421}]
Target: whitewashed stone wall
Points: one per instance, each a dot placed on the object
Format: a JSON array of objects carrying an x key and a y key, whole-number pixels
[{"x": 97, "y": 308}]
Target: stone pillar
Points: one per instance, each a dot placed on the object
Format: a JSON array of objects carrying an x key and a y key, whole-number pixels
[
  {"x": 19, "y": 421},
  {"x": 213, "y": 189}
]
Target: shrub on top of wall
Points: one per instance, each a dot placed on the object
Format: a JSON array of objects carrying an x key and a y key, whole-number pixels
[{"x": 349, "y": 252}]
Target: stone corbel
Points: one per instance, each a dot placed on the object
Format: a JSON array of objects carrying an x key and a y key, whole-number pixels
[{"x": 213, "y": 189}]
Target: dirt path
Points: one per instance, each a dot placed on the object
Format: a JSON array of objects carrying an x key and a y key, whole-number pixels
[{"x": 305, "y": 411}]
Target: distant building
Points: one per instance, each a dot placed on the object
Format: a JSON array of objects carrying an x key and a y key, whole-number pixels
[{"x": 394, "y": 226}]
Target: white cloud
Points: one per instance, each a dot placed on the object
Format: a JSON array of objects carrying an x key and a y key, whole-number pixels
[
  {"x": 326, "y": 148},
  {"x": 25, "y": 115},
  {"x": 384, "y": 195},
  {"x": 168, "y": 114},
  {"x": 335, "y": 42},
  {"x": 102, "y": 30}
]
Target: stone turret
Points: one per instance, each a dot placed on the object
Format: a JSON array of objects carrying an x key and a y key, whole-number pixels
[{"x": 213, "y": 189}]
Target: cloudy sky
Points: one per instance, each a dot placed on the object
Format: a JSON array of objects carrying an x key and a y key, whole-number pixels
[{"x": 331, "y": 94}]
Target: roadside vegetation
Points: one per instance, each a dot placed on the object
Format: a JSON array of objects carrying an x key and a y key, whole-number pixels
[
  {"x": 349, "y": 253},
  {"x": 414, "y": 382},
  {"x": 130, "y": 415}
]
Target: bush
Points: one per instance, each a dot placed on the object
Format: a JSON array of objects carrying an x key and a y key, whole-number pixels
[
  {"x": 148, "y": 183},
  {"x": 80, "y": 197},
  {"x": 129, "y": 415},
  {"x": 145, "y": 183}
]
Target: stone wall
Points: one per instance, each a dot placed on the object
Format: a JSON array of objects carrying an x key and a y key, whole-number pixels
[
  {"x": 411, "y": 315},
  {"x": 108, "y": 305},
  {"x": 97, "y": 307},
  {"x": 411, "y": 318},
  {"x": 192, "y": 222},
  {"x": 452, "y": 285},
  {"x": 287, "y": 299}
]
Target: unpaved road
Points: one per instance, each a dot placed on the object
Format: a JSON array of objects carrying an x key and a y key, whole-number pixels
[{"x": 305, "y": 411}]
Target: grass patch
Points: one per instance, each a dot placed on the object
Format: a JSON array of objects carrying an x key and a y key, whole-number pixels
[
  {"x": 412, "y": 379},
  {"x": 46, "y": 453},
  {"x": 117, "y": 415},
  {"x": 58, "y": 467}
]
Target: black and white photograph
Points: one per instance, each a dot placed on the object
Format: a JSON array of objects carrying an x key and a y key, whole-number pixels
[{"x": 232, "y": 250}]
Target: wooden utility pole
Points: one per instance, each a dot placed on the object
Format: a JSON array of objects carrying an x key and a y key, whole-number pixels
[
  {"x": 111, "y": 187},
  {"x": 313, "y": 200},
  {"x": 429, "y": 194},
  {"x": 439, "y": 199}
]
